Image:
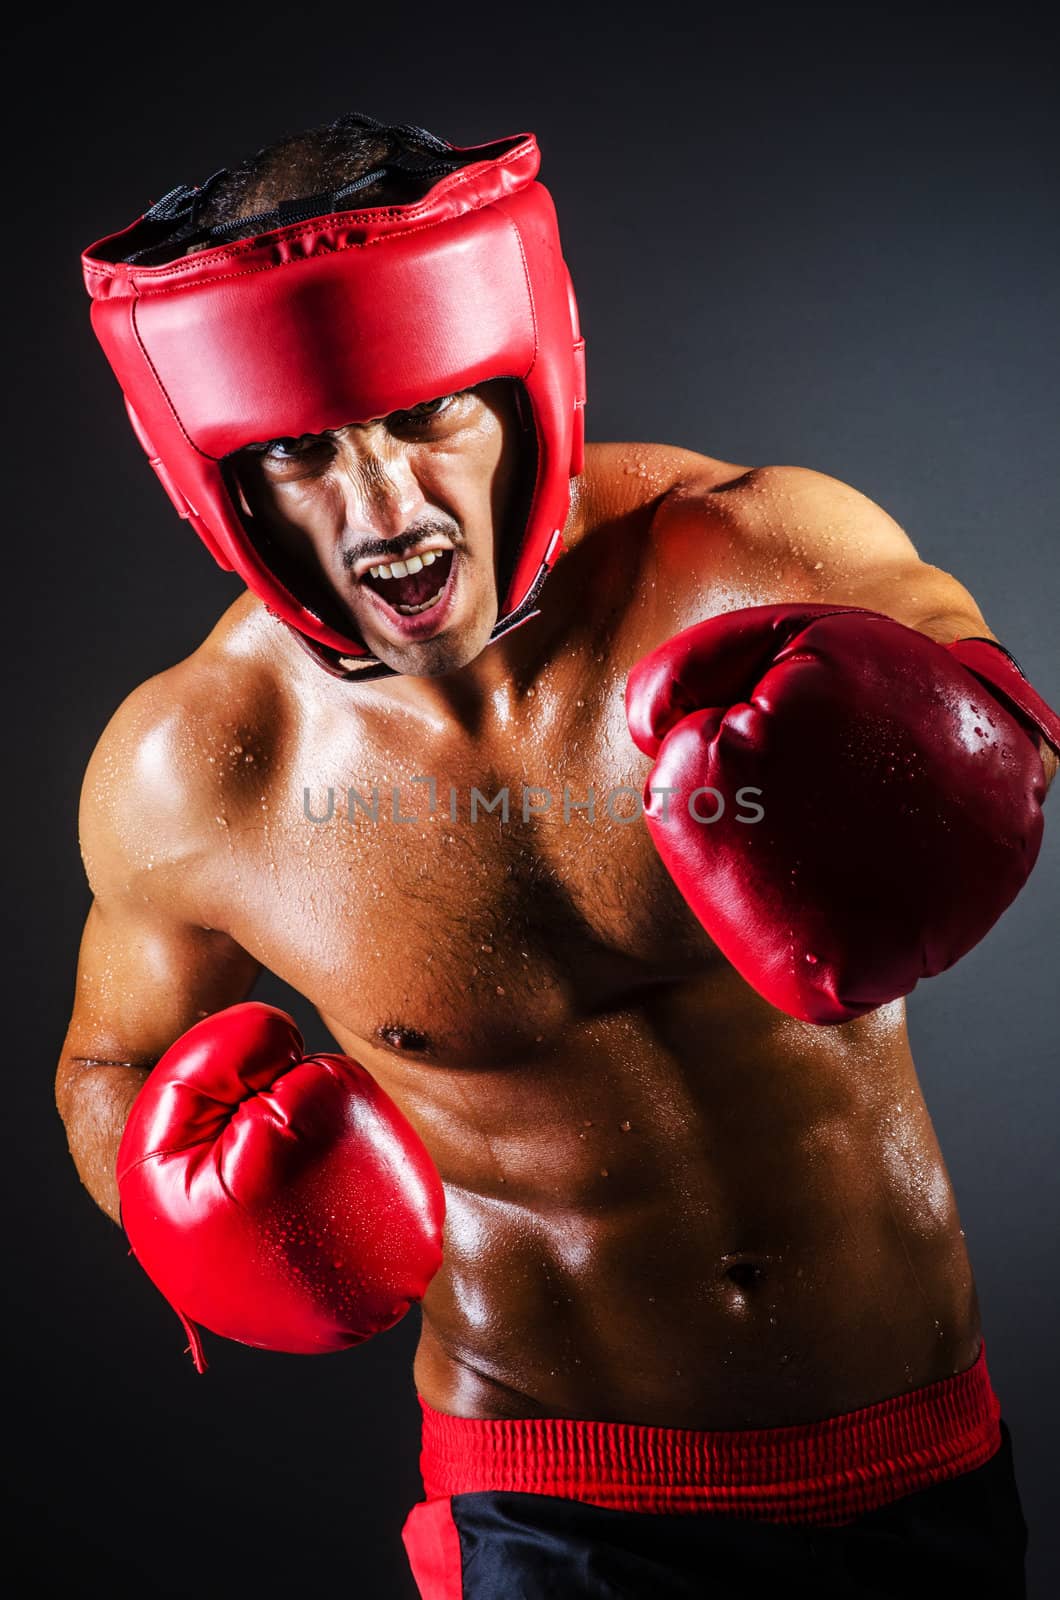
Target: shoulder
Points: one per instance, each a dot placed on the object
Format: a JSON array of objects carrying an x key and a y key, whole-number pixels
[
  {"x": 768, "y": 508},
  {"x": 177, "y": 755},
  {"x": 622, "y": 480},
  {"x": 794, "y": 512},
  {"x": 778, "y": 534}
]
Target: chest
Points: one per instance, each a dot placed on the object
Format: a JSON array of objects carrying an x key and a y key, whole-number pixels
[{"x": 471, "y": 899}]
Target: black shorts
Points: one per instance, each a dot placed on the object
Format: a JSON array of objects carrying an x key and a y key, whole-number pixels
[
  {"x": 911, "y": 1496},
  {"x": 963, "y": 1538}
]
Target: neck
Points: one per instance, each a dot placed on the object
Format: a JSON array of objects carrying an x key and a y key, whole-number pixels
[{"x": 482, "y": 696}]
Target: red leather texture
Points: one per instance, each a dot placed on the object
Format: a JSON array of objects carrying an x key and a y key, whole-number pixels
[
  {"x": 902, "y": 801},
  {"x": 341, "y": 319},
  {"x": 279, "y": 1199},
  {"x": 994, "y": 667}
]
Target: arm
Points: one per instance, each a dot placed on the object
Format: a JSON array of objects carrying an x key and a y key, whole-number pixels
[
  {"x": 899, "y": 770},
  {"x": 277, "y": 1198},
  {"x": 147, "y": 971},
  {"x": 834, "y": 546}
]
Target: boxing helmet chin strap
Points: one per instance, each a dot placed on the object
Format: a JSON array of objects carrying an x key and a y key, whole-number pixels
[{"x": 350, "y": 667}]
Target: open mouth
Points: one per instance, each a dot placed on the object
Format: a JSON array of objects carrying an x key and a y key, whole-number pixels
[
  {"x": 414, "y": 586},
  {"x": 414, "y": 598}
]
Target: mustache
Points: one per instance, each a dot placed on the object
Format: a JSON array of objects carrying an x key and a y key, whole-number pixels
[{"x": 378, "y": 550}]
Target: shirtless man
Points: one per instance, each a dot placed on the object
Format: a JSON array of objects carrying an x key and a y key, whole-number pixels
[{"x": 672, "y": 1203}]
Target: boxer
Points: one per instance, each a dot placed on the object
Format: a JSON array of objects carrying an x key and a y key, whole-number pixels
[{"x": 605, "y": 801}]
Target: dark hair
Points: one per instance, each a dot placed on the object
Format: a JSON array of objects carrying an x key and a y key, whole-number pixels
[
  {"x": 347, "y": 164},
  {"x": 390, "y": 165}
]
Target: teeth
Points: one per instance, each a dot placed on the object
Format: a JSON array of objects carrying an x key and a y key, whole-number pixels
[
  {"x": 412, "y": 610},
  {"x": 402, "y": 569}
]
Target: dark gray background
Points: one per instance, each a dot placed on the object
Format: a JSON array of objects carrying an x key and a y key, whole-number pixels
[{"x": 827, "y": 237}]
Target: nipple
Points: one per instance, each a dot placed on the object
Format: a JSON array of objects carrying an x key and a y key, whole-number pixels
[{"x": 397, "y": 1037}]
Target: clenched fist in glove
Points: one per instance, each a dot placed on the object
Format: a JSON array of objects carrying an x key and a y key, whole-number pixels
[
  {"x": 279, "y": 1199},
  {"x": 900, "y": 783}
]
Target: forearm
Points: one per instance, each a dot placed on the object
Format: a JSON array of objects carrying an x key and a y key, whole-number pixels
[{"x": 94, "y": 1099}]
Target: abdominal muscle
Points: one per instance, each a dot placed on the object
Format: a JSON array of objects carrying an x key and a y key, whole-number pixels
[{"x": 744, "y": 1230}]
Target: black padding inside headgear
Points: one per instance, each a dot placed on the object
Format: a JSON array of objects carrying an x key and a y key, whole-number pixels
[{"x": 172, "y": 226}]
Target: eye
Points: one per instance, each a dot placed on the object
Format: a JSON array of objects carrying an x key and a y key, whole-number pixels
[
  {"x": 281, "y": 450},
  {"x": 419, "y": 416},
  {"x": 293, "y": 449}
]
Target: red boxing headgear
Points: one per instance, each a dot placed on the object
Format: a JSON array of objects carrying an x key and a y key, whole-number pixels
[{"x": 343, "y": 318}]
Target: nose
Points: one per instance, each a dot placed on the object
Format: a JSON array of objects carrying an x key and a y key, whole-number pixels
[{"x": 383, "y": 495}]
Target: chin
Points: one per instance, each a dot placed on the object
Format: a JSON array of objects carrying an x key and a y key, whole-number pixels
[{"x": 435, "y": 658}]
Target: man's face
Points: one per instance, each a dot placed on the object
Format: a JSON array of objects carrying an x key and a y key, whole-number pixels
[{"x": 430, "y": 489}]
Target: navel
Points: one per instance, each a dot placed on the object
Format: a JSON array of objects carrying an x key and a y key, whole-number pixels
[{"x": 743, "y": 1272}]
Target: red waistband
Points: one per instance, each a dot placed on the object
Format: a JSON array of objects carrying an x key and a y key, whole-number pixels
[{"x": 825, "y": 1472}]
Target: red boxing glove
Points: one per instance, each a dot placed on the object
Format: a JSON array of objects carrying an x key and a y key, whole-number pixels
[
  {"x": 277, "y": 1198},
  {"x": 901, "y": 799}
]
